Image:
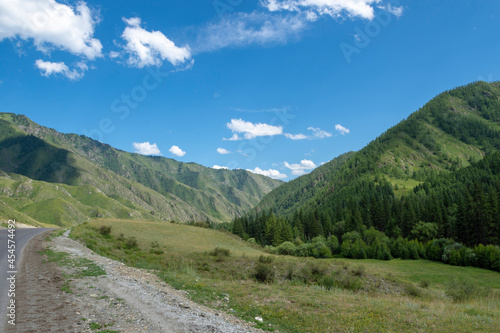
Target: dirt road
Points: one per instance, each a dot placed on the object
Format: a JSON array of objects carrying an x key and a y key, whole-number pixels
[{"x": 124, "y": 300}]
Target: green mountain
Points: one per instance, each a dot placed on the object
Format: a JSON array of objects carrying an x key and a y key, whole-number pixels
[
  {"x": 391, "y": 183},
  {"x": 61, "y": 179}
]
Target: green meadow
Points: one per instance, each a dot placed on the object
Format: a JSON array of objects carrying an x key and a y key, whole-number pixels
[{"x": 302, "y": 294}]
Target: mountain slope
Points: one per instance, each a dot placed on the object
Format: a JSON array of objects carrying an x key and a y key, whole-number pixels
[
  {"x": 141, "y": 186},
  {"x": 456, "y": 127}
]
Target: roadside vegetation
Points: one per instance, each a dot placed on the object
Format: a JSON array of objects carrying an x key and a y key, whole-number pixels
[{"x": 293, "y": 294}]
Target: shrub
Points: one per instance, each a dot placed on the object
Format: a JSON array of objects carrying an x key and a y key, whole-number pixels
[
  {"x": 317, "y": 269},
  {"x": 350, "y": 282},
  {"x": 105, "y": 230},
  {"x": 264, "y": 273},
  {"x": 450, "y": 254},
  {"x": 252, "y": 241},
  {"x": 461, "y": 290},
  {"x": 220, "y": 252},
  {"x": 302, "y": 250},
  {"x": 131, "y": 243},
  {"x": 328, "y": 282},
  {"x": 333, "y": 243},
  {"x": 266, "y": 259},
  {"x": 413, "y": 290},
  {"x": 319, "y": 249},
  {"x": 424, "y": 283},
  {"x": 287, "y": 248},
  {"x": 358, "y": 271}
]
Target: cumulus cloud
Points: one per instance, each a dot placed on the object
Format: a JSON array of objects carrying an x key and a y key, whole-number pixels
[
  {"x": 235, "y": 137},
  {"x": 396, "y": 11},
  {"x": 177, "y": 151},
  {"x": 218, "y": 167},
  {"x": 271, "y": 173},
  {"x": 251, "y": 130},
  {"x": 223, "y": 151},
  {"x": 150, "y": 48},
  {"x": 146, "y": 148},
  {"x": 301, "y": 168},
  {"x": 243, "y": 29},
  {"x": 319, "y": 133},
  {"x": 299, "y": 136},
  {"x": 341, "y": 129},
  {"x": 48, "y": 68},
  {"x": 51, "y": 25},
  {"x": 334, "y": 8}
]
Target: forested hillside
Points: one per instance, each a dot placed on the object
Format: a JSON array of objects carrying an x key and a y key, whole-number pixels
[{"x": 434, "y": 175}]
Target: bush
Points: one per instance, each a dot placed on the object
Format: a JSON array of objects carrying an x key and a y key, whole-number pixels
[
  {"x": 287, "y": 248},
  {"x": 461, "y": 290},
  {"x": 350, "y": 282},
  {"x": 252, "y": 241},
  {"x": 266, "y": 259},
  {"x": 333, "y": 243},
  {"x": 302, "y": 250},
  {"x": 264, "y": 273},
  {"x": 328, "y": 282},
  {"x": 413, "y": 290},
  {"x": 131, "y": 243},
  {"x": 220, "y": 252},
  {"x": 424, "y": 283},
  {"x": 105, "y": 230},
  {"x": 358, "y": 271}
]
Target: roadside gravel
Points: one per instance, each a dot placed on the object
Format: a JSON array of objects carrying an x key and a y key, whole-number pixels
[{"x": 134, "y": 300}]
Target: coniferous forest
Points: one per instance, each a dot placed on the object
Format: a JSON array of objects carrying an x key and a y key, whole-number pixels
[{"x": 427, "y": 188}]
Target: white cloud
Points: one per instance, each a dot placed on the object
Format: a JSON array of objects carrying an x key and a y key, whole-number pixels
[
  {"x": 243, "y": 29},
  {"x": 295, "y": 136},
  {"x": 333, "y": 8},
  {"x": 268, "y": 173},
  {"x": 396, "y": 11},
  {"x": 341, "y": 129},
  {"x": 114, "y": 55},
  {"x": 319, "y": 133},
  {"x": 218, "y": 167},
  {"x": 177, "y": 151},
  {"x": 51, "y": 25},
  {"x": 223, "y": 151},
  {"x": 145, "y": 148},
  {"x": 250, "y": 130},
  {"x": 48, "y": 68},
  {"x": 147, "y": 48},
  {"x": 300, "y": 168},
  {"x": 235, "y": 137}
]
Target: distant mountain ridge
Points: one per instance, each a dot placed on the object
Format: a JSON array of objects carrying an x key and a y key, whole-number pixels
[{"x": 79, "y": 178}]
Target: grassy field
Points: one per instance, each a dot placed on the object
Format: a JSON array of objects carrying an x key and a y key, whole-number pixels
[{"x": 303, "y": 294}]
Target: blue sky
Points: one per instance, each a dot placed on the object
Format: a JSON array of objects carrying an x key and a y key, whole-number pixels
[{"x": 273, "y": 86}]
